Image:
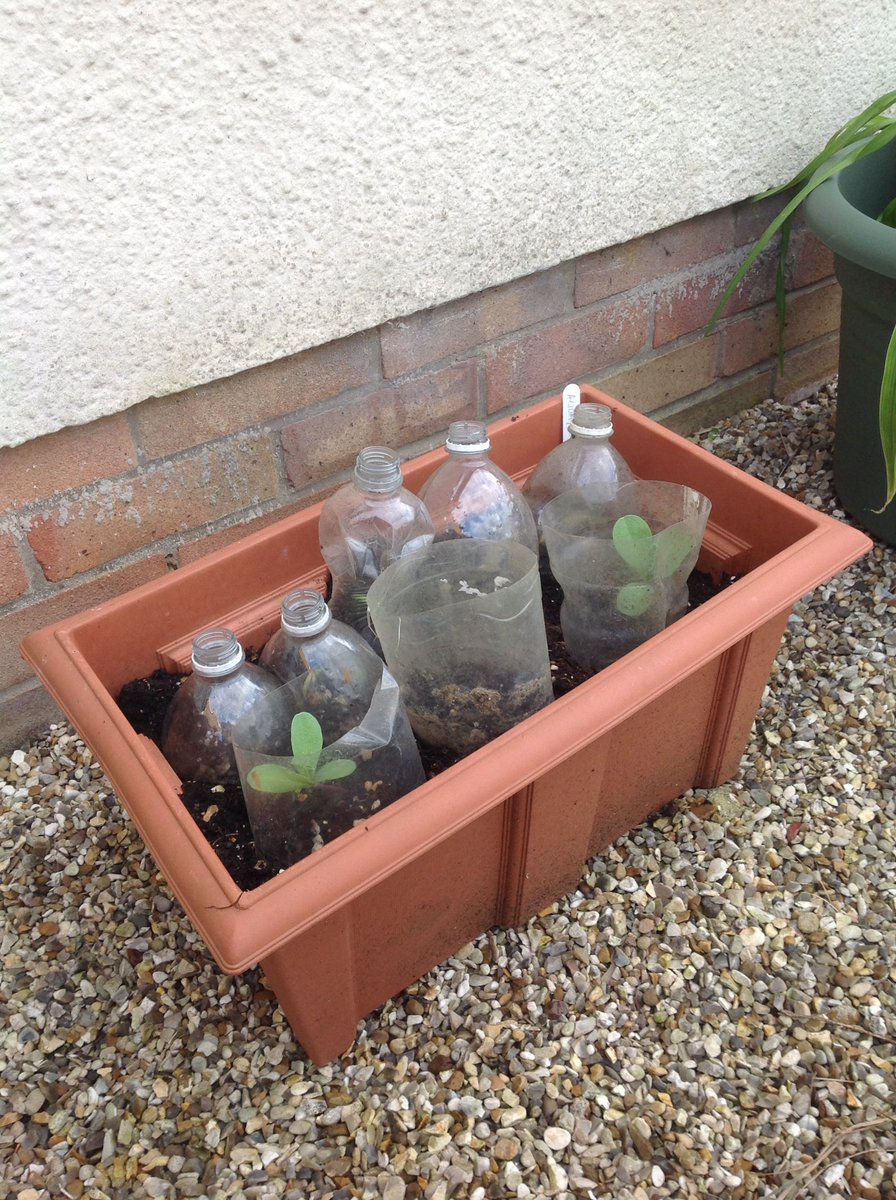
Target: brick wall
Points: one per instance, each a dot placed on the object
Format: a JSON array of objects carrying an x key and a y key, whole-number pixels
[{"x": 92, "y": 511}]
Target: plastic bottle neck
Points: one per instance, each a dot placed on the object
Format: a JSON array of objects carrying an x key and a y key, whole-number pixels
[
  {"x": 304, "y": 613},
  {"x": 216, "y": 652},
  {"x": 378, "y": 470},
  {"x": 592, "y": 421},
  {"x": 468, "y": 439}
]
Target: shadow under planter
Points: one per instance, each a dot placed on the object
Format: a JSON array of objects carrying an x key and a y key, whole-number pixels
[{"x": 507, "y": 830}]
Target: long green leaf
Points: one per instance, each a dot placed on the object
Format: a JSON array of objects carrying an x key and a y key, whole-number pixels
[
  {"x": 781, "y": 289},
  {"x": 867, "y": 122},
  {"x": 888, "y": 420},
  {"x": 877, "y": 140},
  {"x": 888, "y": 216}
]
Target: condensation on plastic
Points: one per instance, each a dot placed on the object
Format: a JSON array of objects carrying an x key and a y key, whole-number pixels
[
  {"x": 364, "y": 529},
  {"x": 290, "y": 825},
  {"x": 469, "y": 496},
  {"x": 339, "y": 669},
  {"x": 200, "y": 719},
  {"x": 587, "y": 459},
  {"x": 578, "y": 531},
  {"x": 462, "y": 629}
]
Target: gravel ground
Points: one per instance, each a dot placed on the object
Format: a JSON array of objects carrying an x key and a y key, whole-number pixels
[{"x": 711, "y": 1012}]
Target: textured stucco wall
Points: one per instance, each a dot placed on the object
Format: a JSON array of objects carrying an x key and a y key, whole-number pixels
[{"x": 197, "y": 188}]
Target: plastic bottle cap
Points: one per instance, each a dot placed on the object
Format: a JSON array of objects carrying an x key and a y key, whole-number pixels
[
  {"x": 304, "y": 612},
  {"x": 378, "y": 469},
  {"x": 592, "y": 420},
  {"x": 216, "y": 652},
  {"x": 468, "y": 437}
]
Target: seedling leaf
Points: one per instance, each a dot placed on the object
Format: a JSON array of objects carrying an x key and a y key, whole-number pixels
[
  {"x": 307, "y": 739},
  {"x": 634, "y": 599},
  {"x": 338, "y": 768},
  {"x": 271, "y": 777},
  {"x": 634, "y": 544},
  {"x": 303, "y": 772},
  {"x": 673, "y": 545}
]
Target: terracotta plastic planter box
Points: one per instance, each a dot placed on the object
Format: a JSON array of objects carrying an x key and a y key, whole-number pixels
[{"x": 507, "y": 830}]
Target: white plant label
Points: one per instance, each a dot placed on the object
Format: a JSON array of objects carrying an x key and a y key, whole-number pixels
[{"x": 571, "y": 398}]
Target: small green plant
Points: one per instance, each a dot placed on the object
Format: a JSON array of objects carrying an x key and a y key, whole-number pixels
[
  {"x": 649, "y": 555},
  {"x": 870, "y": 131},
  {"x": 303, "y": 771}
]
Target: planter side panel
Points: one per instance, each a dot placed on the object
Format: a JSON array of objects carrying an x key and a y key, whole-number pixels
[
  {"x": 743, "y": 674},
  {"x": 693, "y": 735},
  {"x": 551, "y": 828},
  {"x": 331, "y": 976}
]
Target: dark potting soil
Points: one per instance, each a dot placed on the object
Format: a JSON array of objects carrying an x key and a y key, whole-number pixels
[{"x": 220, "y": 810}]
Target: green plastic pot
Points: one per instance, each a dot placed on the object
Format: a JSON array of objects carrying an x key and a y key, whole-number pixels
[{"x": 842, "y": 211}]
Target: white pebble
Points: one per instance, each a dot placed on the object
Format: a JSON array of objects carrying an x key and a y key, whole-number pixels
[{"x": 557, "y": 1138}]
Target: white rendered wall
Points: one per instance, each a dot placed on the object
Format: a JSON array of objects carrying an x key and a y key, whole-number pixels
[{"x": 196, "y": 188}]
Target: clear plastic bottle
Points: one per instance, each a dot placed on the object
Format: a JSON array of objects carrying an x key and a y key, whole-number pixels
[
  {"x": 469, "y": 496},
  {"x": 366, "y": 526},
  {"x": 587, "y": 459},
  {"x": 222, "y": 689},
  {"x": 339, "y": 670}
]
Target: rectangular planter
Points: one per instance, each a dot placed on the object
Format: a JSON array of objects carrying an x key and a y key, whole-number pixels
[{"x": 507, "y": 830}]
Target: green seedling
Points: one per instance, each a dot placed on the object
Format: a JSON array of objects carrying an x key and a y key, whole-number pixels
[
  {"x": 634, "y": 543},
  {"x": 650, "y": 556},
  {"x": 303, "y": 771}
]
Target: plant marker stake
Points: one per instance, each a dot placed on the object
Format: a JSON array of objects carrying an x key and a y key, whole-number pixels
[{"x": 571, "y": 398}]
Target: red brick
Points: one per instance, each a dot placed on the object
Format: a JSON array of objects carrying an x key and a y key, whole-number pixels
[
  {"x": 659, "y": 381},
  {"x": 102, "y": 525},
  {"x": 65, "y": 603},
  {"x": 752, "y": 217},
  {"x": 167, "y": 424},
  {"x": 321, "y": 443},
  {"x": 811, "y": 260},
  {"x": 812, "y": 314},
  {"x": 572, "y": 349},
  {"x": 201, "y": 544},
  {"x": 753, "y": 339},
  {"x": 621, "y": 268},
  {"x": 69, "y": 458},
  {"x": 686, "y": 306},
  {"x": 438, "y": 333},
  {"x": 13, "y": 576},
  {"x": 25, "y": 711},
  {"x": 806, "y": 367},
  {"x": 750, "y": 340},
  {"x": 717, "y": 403}
]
